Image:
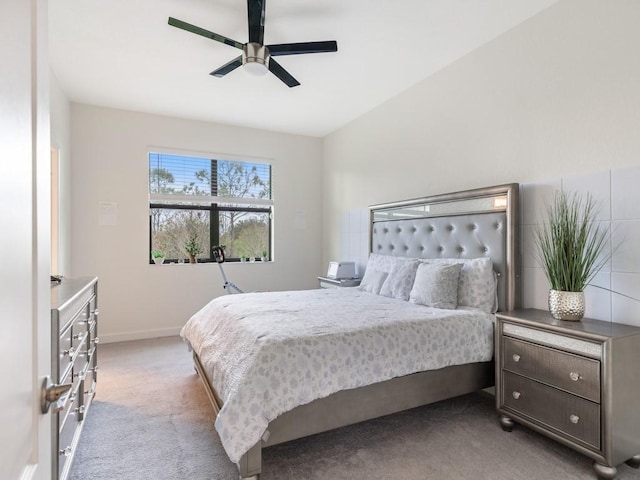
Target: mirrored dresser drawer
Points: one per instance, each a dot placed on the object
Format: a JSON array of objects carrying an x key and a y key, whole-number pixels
[{"x": 574, "y": 373}]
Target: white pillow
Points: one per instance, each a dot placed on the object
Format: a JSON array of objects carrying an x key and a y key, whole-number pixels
[
  {"x": 436, "y": 285},
  {"x": 384, "y": 263},
  {"x": 477, "y": 287},
  {"x": 372, "y": 281},
  {"x": 400, "y": 280}
]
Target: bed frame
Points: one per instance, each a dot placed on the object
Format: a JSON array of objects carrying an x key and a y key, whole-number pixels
[{"x": 469, "y": 224}]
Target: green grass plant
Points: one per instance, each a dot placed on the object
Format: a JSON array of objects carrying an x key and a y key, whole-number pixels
[{"x": 571, "y": 245}]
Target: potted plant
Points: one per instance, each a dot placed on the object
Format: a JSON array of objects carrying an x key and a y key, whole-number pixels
[
  {"x": 571, "y": 251},
  {"x": 264, "y": 256},
  {"x": 192, "y": 247},
  {"x": 158, "y": 257}
]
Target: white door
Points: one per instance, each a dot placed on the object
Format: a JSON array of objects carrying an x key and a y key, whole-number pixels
[{"x": 25, "y": 330}]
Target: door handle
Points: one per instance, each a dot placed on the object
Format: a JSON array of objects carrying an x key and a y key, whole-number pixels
[{"x": 51, "y": 393}]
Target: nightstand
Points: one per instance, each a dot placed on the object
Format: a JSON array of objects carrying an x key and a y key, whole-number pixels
[
  {"x": 575, "y": 382},
  {"x": 326, "y": 282}
]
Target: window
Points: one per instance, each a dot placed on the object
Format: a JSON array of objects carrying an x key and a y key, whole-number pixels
[{"x": 205, "y": 202}]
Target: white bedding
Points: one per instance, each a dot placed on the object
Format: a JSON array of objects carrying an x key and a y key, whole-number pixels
[{"x": 267, "y": 353}]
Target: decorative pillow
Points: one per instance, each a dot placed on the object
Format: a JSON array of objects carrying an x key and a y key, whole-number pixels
[
  {"x": 400, "y": 280},
  {"x": 436, "y": 285},
  {"x": 385, "y": 263},
  {"x": 372, "y": 281},
  {"x": 477, "y": 287}
]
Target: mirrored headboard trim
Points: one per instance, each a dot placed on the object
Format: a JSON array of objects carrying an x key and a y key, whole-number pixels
[{"x": 474, "y": 223}]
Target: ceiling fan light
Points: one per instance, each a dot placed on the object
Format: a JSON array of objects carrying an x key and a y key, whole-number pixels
[{"x": 255, "y": 67}]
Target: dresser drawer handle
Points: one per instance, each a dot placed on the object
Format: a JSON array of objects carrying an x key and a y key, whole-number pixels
[
  {"x": 66, "y": 452},
  {"x": 516, "y": 395},
  {"x": 96, "y": 340},
  {"x": 575, "y": 376},
  {"x": 69, "y": 352},
  {"x": 516, "y": 357},
  {"x": 574, "y": 418}
]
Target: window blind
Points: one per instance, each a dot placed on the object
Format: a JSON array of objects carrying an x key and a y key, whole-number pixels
[{"x": 186, "y": 179}]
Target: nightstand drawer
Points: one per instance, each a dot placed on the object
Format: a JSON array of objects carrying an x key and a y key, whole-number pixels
[
  {"x": 569, "y": 372},
  {"x": 551, "y": 408}
]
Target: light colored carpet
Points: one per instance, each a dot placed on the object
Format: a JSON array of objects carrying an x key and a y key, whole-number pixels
[{"x": 151, "y": 420}]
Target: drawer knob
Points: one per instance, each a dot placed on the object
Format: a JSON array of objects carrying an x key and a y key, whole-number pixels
[
  {"x": 66, "y": 452},
  {"x": 516, "y": 395},
  {"x": 574, "y": 376},
  {"x": 574, "y": 418},
  {"x": 96, "y": 340},
  {"x": 516, "y": 357},
  {"x": 69, "y": 352}
]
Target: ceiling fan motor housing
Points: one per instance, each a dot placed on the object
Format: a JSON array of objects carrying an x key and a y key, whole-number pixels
[{"x": 255, "y": 58}]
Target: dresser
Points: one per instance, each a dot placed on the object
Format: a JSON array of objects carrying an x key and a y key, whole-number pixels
[
  {"x": 576, "y": 382},
  {"x": 74, "y": 361}
]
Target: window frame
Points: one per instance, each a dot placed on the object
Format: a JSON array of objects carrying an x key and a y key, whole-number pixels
[{"x": 264, "y": 205}]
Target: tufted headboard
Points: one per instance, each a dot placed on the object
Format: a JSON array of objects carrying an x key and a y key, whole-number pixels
[{"x": 474, "y": 223}]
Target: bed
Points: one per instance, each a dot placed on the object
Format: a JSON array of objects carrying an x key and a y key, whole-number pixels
[{"x": 283, "y": 365}]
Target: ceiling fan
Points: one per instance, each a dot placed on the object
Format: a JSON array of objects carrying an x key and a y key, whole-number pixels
[{"x": 256, "y": 57}]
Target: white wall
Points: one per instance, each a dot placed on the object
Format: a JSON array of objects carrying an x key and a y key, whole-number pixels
[
  {"x": 110, "y": 164},
  {"x": 61, "y": 140},
  {"x": 555, "y": 98},
  {"x": 616, "y": 192}
]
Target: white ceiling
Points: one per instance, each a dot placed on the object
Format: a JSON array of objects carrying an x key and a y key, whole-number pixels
[{"x": 123, "y": 54}]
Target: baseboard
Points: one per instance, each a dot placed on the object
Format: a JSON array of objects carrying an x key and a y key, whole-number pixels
[{"x": 138, "y": 335}]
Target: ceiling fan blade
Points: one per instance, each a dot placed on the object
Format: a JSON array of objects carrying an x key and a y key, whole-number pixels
[
  {"x": 227, "y": 67},
  {"x": 255, "y": 12},
  {"x": 282, "y": 74},
  {"x": 304, "y": 47},
  {"x": 174, "y": 22}
]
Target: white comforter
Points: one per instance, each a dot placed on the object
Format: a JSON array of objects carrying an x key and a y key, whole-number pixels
[{"x": 267, "y": 353}]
